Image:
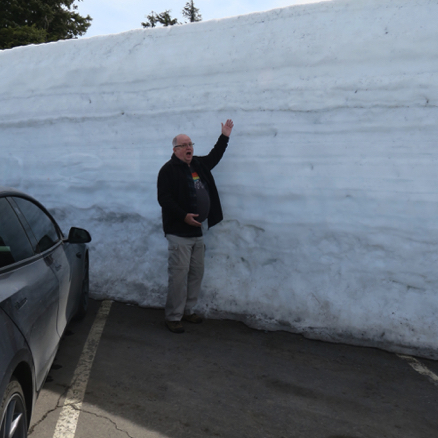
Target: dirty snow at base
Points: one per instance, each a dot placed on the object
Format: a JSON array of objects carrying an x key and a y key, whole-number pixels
[{"x": 329, "y": 184}]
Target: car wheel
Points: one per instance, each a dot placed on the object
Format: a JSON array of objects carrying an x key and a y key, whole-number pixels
[
  {"x": 83, "y": 300},
  {"x": 13, "y": 412}
]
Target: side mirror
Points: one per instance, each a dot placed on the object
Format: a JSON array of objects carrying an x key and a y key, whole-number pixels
[{"x": 78, "y": 235}]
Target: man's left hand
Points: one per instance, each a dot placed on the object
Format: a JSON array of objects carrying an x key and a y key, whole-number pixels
[{"x": 227, "y": 128}]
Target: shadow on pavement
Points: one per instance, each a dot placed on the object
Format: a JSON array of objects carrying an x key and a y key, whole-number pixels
[{"x": 223, "y": 379}]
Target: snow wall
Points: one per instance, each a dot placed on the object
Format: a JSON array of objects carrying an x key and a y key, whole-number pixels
[{"x": 329, "y": 185}]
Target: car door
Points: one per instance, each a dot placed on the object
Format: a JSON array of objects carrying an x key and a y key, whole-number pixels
[
  {"x": 48, "y": 241},
  {"x": 28, "y": 290}
]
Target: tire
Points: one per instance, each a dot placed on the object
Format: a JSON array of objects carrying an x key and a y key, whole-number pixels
[
  {"x": 13, "y": 412},
  {"x": 83, "y": 299}
]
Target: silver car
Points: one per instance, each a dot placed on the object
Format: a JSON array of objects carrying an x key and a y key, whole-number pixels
[{"x": 44, "y": 280}]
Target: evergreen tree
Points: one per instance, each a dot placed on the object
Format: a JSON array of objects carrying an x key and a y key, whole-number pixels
[
  {"x": 25, "y": 22},
  {"x": 191, "y": 12},
  {"x": 166, "y": 20},
  {"x": 163, "y": 18},
  {"x": 152, "y": 20}
]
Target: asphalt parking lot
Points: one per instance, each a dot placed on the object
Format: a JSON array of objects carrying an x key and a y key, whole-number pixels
[{"x": 223, "y": 379}]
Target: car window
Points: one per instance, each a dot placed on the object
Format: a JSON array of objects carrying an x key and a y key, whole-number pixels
[
  {"x": 42, "y": 226},
  {"x": 14, "y": 244}
]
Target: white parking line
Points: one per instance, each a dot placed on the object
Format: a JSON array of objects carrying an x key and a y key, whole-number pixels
[
  {"x": 68, "y": 419},
  {"x": 420, "y": 368}
]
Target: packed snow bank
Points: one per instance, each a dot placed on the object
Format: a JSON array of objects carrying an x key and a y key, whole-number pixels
[{"x": 329, "y": 185}]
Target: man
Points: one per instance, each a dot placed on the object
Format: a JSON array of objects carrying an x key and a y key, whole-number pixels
[{"x": 188, "y": 195}]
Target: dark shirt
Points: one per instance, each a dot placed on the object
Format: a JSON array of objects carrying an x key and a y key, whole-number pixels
[{"x": 202, "y": 198}]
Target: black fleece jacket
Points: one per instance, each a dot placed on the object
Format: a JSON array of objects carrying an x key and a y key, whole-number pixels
[{"x": 174, "y": 192}]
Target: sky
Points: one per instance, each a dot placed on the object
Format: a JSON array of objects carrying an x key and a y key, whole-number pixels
[{"x": 115, "y": 16}]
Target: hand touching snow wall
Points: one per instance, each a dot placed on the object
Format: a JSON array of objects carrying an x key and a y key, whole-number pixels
[{"x": 329, "y": 184}]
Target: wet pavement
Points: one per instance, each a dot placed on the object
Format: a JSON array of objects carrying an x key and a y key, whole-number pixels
[{"x": 224, "y": 379}]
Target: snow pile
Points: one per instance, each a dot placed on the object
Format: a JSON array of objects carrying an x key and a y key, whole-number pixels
[{"x": 329, "y": 185}]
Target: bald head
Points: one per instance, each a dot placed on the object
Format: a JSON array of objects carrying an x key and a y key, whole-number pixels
[{"x": 183, "y": 148}]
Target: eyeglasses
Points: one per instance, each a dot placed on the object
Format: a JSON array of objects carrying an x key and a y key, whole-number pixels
[{"x": 185, "y": 145}]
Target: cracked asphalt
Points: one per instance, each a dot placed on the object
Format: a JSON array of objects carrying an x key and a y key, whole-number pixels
[{"x": 223, "y": 379}]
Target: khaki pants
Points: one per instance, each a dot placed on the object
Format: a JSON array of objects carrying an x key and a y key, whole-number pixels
[{"x": 186, "y": 269}]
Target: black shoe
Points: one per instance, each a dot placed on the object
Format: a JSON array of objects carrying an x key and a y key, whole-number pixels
[{"x": 175, "y": 326}]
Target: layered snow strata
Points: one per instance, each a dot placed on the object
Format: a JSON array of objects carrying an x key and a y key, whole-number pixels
[{"x": 329, "y": 185}]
